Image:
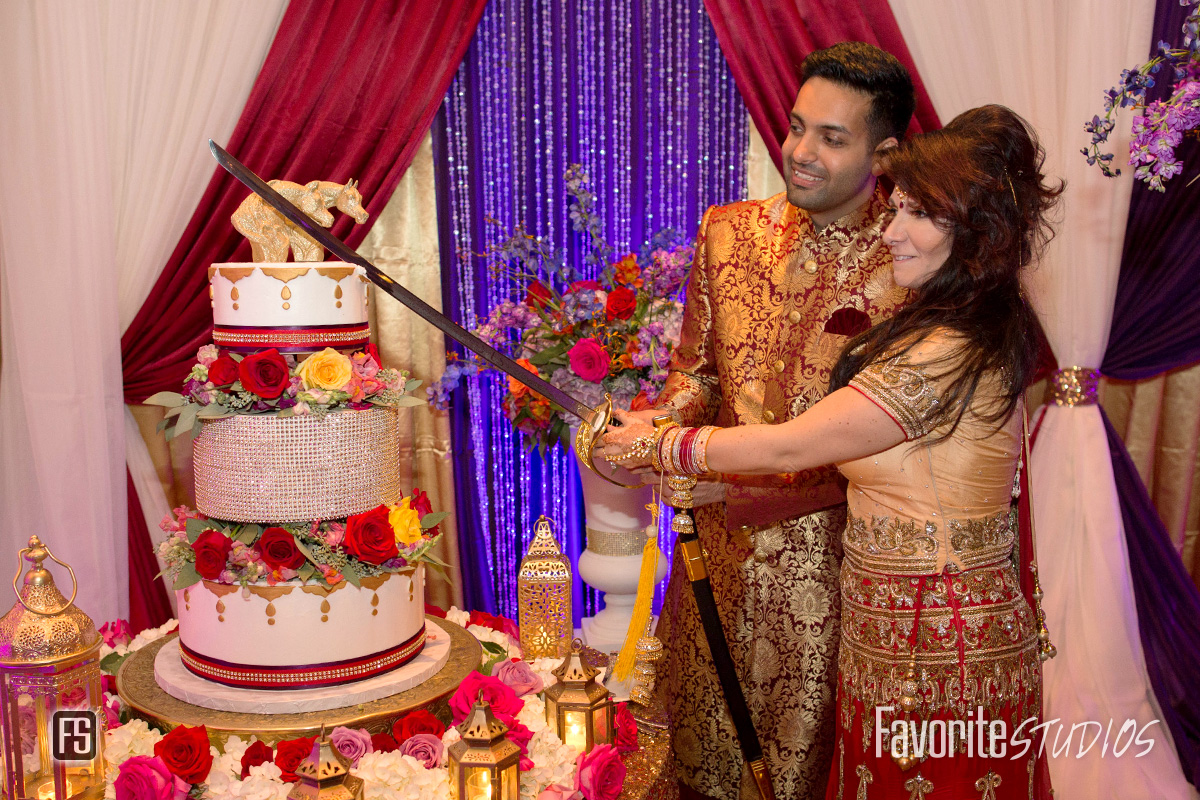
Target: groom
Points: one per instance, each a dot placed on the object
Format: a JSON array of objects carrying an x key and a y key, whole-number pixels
[{"x": 777, "y": 288}]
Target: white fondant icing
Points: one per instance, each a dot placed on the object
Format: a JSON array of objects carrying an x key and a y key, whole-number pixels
[
  {"x": 310, "y": 299},
  {"x": 175, "y": 680},
  {"x": 293, "y": 629}
]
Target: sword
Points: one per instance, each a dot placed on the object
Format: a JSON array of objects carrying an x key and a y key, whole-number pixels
[{"x": 593, "y": 421}]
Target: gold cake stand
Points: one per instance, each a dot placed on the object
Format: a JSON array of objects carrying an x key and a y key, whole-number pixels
[{"x": 146, "y": 700}]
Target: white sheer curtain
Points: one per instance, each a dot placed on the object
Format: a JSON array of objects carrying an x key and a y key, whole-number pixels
[
  {"x": 1050, "y": 62},
  {"x": 103, "y": 115}
]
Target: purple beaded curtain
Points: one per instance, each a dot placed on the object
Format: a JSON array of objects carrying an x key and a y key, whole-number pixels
[
  {"x": 1155, "y": 328},
  {"x": 636, "y": 91}
]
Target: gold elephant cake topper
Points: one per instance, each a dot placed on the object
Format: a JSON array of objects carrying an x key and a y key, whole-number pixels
[{"x": 271, "y": 235}]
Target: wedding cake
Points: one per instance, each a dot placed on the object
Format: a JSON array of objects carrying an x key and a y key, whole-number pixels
[{"x": 302, "y": 565}]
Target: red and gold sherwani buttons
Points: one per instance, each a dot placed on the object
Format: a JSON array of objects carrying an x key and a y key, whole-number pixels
[
  {"x": 810, "y": 267},
  {"x": 778, "y": 365},
  {"x": 794, "y": 317},
  {"x": 768, "y": 416}
]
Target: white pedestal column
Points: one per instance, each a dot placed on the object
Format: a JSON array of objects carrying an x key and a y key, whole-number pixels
[{"x": 616, "y": 520}]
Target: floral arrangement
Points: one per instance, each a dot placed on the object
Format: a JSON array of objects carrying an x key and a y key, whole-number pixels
[
  {"x": 224, "y": 384},
  {"x": 1158, "y": 127},
  {"x": 588, "y": 337},
  {"x": 407, "y": 762},
  {"x": 384, "y": 539}
]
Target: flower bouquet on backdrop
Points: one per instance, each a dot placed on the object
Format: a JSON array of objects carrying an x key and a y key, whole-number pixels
[
  {"x": 1158, "y": 127},
  {"x": 588, "y": 336},
  {"x": 267, "y": 382},
  {"x": 384, "y": 539}
]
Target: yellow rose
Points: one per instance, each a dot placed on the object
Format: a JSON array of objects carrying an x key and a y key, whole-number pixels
[
  {"x": 326, "y": 370},
  {"x": 405, "y": 522}
]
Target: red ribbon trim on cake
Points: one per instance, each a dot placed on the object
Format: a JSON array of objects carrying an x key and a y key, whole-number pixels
[
  {"x": 309, "y": 676},
  {"x": 301, "y": 338}
]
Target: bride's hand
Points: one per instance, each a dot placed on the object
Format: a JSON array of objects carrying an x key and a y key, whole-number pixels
[{"x": 628, "y": 445}]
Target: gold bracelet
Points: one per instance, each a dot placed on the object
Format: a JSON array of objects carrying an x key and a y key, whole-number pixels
[
  {"x": 700, "y": 449},
  {"x": 659, "y": 433}
]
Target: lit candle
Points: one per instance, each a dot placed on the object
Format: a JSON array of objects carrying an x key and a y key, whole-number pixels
[
  {"x": 479, "y": 785},
  {"x": 46, "y": 790},
  {"x": 576, "y": 733}
]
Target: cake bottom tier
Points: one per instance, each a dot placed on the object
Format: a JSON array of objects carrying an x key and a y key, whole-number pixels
[{"x": 295, "y": 636}]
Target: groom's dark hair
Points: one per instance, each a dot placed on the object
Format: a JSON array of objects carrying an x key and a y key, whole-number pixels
[{"x": 874, "y": 72}]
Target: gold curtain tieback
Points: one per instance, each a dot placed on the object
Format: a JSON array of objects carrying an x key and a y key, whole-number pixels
[{"x": 1075, "y": 386}]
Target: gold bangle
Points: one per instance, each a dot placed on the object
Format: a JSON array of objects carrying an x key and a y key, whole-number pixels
[
  {"x": 659, "y": 433},
  {"x": 700, "y": 457}
]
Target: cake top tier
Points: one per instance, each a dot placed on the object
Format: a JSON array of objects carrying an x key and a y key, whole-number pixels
[{"x": 293, "y": 307}]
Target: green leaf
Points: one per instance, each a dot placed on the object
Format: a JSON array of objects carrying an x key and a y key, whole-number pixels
[
  {"x": 187, "y": 417},
  {"x": 408, "y": 401},
  {"x": 214, "y": 411},
  {"x": 306, "y": 571},
  {"x": 433, "y": 560},
  {"x": 494, "y": 649},
  {"x": 197, "y": 426},
  {"x": 429, "y": 520},
  {"x": 195, "y": 527},
  {"x": 236, "y": 357},
  {"x": 112, "y": 662},
  {"x": 166, "y": 399},
  {"x": 162, "y": 425},
  {"x": 187, "y": 576},
  {"x": 303, "y": 549},
  {"x": 412, "y": 384},
  {"x": 249, "y": 534},
  {"x": 351, "y": 575},
  {"x": 174, "y": 412},
  {"x": 549, "y": 354}
]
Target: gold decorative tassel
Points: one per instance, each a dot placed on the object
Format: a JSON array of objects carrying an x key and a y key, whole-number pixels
[{"x": 645, "y": 598}]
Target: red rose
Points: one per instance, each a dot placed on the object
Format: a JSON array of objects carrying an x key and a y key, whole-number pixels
[
  {"x": 369, "y": 536},
  {"x": 498, "y": 624},
  {"x": 373, "y": 352},
  {"x": 289, "y": 754},
  {"x": 435, "y": 611},
  {"x": 185, "y": 752},
  {"x": 414, "y": 722},
  {"x": 579, "y": 286},
  {"x": 621, "y": 303},
  {"x": 537, "y": 295},
  {"x": 278, "y": 549},
  {"x": 627, "y": 731},
  {"x": 384, "y": 743},
  {"x": 420, "y": 502},
  {"x": 589, "y": 360},
  {"x": 502, "y": 699},
  {"x": 212, "y": 551},
  {"x": 223, "y": 371},
  {"x": 256, "y": 755},
  {"x": 265, "y": 374}
]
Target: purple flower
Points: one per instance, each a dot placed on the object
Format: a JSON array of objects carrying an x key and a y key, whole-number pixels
[
  {"x": 424, "y": 747},
  {"x": 353, "y": 744},
  {"x": 518, "y": 676},
  {"x": 147, "y": 778}
]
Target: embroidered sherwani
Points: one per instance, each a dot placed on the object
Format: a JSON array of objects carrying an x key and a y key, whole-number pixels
[
  {"x": 928, "y": 578},
  {"x": 771, "y": 302}
]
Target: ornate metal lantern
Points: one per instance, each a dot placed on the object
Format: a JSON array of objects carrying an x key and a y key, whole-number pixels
[
  {"x": 483, "y": 764},
  {"x": 544, "y": 596},
  {"x": 325, "y": 775},
  {"x": 578, "y": 708},
  {"x": 51, "y": 704}
]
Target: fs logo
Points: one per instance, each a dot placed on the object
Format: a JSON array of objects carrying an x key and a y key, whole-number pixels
[{"x": 74, "y": 735}]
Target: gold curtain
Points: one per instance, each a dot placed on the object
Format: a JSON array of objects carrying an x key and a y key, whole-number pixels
[
  {"x": 403, "y": 242},
  {"x": 1159, "y": 420}
]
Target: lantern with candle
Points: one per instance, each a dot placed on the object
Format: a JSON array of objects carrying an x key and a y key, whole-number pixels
[
  {"x": 325, "y": 775},
  {"x": 544, "y": 597},
  {"x": 579, "y": 709},
  {"x": 483, "y": 764},
  {"x": 51, "y": 704}
]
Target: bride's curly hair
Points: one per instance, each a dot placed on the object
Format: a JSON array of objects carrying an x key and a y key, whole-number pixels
[{"x": 980, "y": 180}]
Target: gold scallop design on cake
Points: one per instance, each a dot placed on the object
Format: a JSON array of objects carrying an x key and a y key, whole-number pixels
[
  {"x": 412, "y": 589},
  {"x": 337, "y": 294},
  {"x": 271, "y": 613},
  {"x": 220, "y": 611},
  {"x": 286, "y": 294},
  {"x": 325, "y": 610},
  {"x": 374, "y": 602},
  {"x": 187, "y": 605},
  {"x": 233, "y": 295}
]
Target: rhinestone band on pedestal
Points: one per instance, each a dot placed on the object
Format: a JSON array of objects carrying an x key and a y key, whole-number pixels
[
  {"x": 616, "y": 543},
  {"x": 295, "y": 469}
]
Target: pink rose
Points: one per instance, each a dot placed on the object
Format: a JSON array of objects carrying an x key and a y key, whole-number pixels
[
  {"x": 424, "y": 747},
  {"x": 589, "y": 360},
  {"x": 116, "y": 632},
  {"x": 600, "y": 774},
  {"x": 364, "y": 365},
  {"x": 519, "y": 735},
  {"x": 147, "y": 778},
  {"x": 503, "y": 700},
  {"x": 207, "y": 354},
  {"x": 627, "y": 731},
  {"x": 353, "y": 744},
  {"x": 112, "y": 712},
  {"x": 557, "y": 791},
  {"x": 518, "y": 676}
]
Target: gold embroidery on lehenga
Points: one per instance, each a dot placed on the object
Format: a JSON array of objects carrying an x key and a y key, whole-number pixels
[
  {"x": 988, "y": 785},
  {"x": 918, "y": 786},
  {"x": 906, "y": 547},
  {"x": 903, "y": 390},
  {"x": 841, "y": 768},
  {"x": 864, "y": 778}
]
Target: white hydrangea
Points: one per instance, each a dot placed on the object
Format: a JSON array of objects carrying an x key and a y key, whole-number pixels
[
  {"x": 392, "y": 776},
  {"x": 451, "y": 736},
  {"x": 458, "y": 616},
  {"x": 265, "y": 782},
  {"x": 229, "y": 763},
  {"x": 134, "y": 738},
  {"x": 553, "y": 762},
  {"x": 544, "y": 668},
  {"x": 533, "y": 714},
  {"x": 141, "y": 640}
]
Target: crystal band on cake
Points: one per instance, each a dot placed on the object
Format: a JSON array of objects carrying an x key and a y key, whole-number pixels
[
  {"x": 296, "y": 469},
  {"x": 309, "y": 676},
  {"x": 293, "y": 340}
]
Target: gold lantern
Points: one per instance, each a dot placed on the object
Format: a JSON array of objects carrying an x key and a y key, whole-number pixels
[
  {"x": 544, "y": 597},
  {"x": 51, "y": 704},
  {"x": 483, "y": 764},
  {"x": 579, "y": 709},
  {"x": 325, "y": 775}
]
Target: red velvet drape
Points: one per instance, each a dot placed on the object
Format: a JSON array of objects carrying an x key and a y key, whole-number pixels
[
  {"x": 347, "y": 90},
  {"x": 765, "y": 41}
]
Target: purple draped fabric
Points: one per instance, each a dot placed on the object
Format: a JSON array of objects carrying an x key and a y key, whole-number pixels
[{"x": 1156, "y": 327}]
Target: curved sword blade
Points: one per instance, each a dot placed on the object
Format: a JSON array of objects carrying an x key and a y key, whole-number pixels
[{"x": 422, "y": 309}]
